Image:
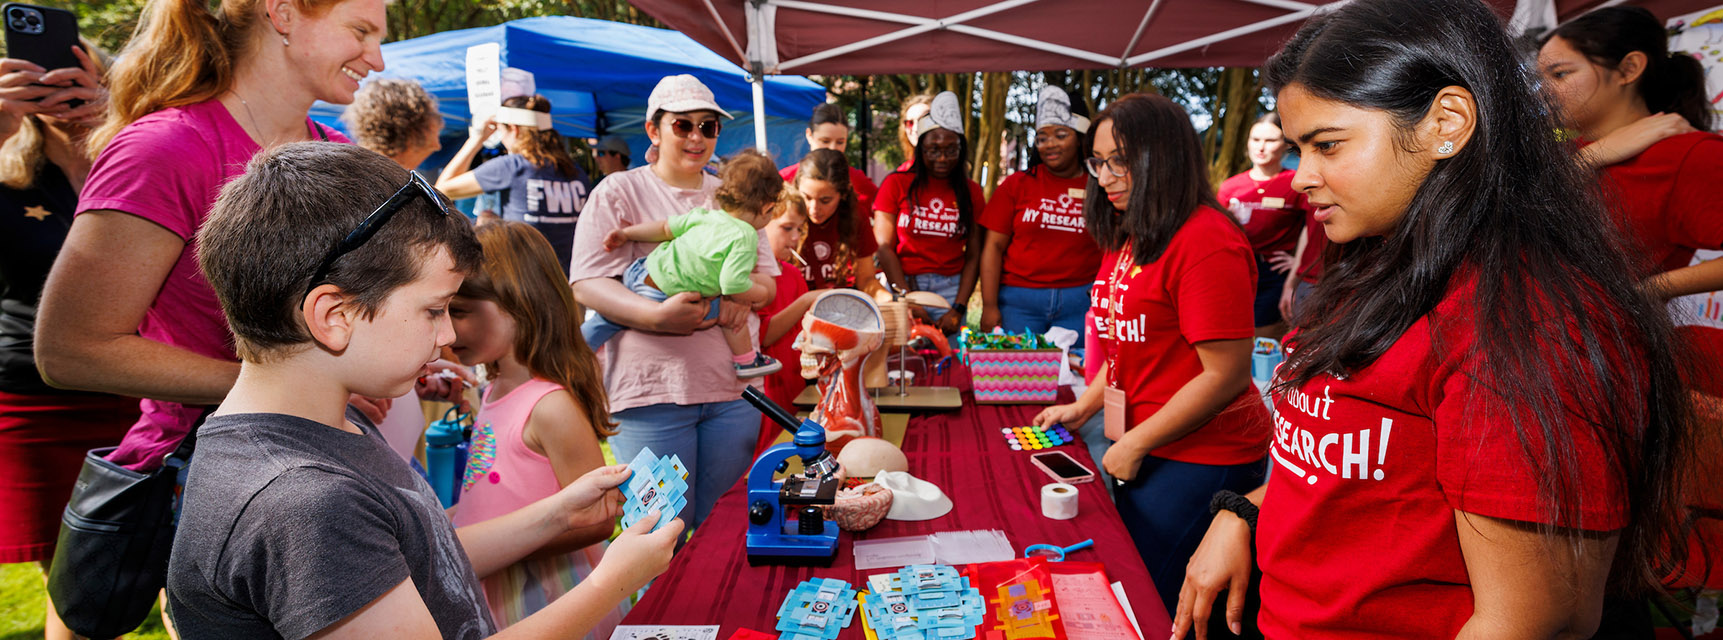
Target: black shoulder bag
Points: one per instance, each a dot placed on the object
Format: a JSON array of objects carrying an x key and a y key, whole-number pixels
[{"x": 111, "y": 558}]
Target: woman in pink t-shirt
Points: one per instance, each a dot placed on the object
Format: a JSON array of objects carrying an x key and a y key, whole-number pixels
[
  {"x": 1482, "y": 433},
  {"x": 672, "y": 384},
  {"x": 194, "y": 96}
]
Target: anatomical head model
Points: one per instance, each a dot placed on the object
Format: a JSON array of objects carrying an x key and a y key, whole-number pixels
[{"x": 839, "y": 332}]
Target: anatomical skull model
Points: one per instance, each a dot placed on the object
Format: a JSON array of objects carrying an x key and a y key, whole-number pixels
[{"x": 839, "y": 331}]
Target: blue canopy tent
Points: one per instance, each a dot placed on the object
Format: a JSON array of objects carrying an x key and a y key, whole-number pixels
[{"x": 597, "y": 75}]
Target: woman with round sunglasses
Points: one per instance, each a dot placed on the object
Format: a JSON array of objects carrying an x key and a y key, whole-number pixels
[
  {"x": 194, "y": 95},
  {"x": 1038, "y": 261},
  {"x": 537, "y": 182},
  {"x": 672, "y": 385},
  {"x": 1481, "y": 435},
  {"x": 924, "y": 218},
  {"x": 1172, "y": 306},
  {"x": 1273, "y": 214}
]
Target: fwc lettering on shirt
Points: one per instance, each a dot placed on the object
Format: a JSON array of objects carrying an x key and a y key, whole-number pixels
[
  {"x": 1063, "y": 213},
  {"x": 935, "y": 219},
  {"x": 1340, "y": 451},
  {"x": 555, "y": 197}
]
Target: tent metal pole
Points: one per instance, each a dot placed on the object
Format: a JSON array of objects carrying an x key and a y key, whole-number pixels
[
  {"x": 1229, "y": 34},
  {"x": 758, "y": 81},
  {"x": 924, "y": 25},
  {"x": 1030, "y": 43}
]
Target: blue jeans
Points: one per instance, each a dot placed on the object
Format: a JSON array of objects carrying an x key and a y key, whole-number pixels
[
  {"x": 1041, "y": 309},
  {"x": 1166, "y": 510},
  {"x": 714, "y": 440},
  {"x": 598, "y": 329},
  {"x": 1094, "y": 435},
  {"x": 945, "y": 286}
]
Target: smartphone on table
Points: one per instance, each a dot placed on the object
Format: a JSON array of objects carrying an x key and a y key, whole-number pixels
[{"x": 1062, "y": 467}]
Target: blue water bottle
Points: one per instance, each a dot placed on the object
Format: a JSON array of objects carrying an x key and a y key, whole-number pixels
[{"x": 446, "y": 454}]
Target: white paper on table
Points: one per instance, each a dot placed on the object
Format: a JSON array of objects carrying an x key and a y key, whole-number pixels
[
  {"x": 1088, "y": 607},
  {"x": 1125, "y": 603},
  {"x": 664, "y": 632}
]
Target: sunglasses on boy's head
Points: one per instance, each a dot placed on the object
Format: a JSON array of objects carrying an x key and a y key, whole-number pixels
[
  {"x": 416, "y": 186},
  {"x": 684, "y": 128}
]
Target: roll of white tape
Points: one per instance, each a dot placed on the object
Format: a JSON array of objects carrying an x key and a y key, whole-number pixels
[{"x": 1059, "y": 501}]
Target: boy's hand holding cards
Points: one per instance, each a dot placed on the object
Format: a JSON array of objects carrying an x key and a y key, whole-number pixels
[{"x": 657, "y": 483}]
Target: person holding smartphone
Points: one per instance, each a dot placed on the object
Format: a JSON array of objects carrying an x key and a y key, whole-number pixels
[{"x": 45, "y": 116}]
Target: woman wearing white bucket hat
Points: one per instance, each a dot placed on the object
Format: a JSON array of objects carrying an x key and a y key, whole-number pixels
[
  {"x": 924, "y": 217},
  {"x": 672, "y": 385}
]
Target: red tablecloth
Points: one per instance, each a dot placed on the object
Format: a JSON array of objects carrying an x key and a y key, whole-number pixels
[{"x": 963, "y": 452}]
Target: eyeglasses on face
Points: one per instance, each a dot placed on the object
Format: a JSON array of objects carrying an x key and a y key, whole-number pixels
[
  {"x": 415, "y": 187},
  {"x": 946, "y": 151},
  {"x": 1115, "y": 165},
  {"x": 684, "y": 128}
]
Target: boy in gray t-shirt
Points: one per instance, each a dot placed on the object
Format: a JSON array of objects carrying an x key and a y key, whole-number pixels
[{"x": 298, "y": 519}]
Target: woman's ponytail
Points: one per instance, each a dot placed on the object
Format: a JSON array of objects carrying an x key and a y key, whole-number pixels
[
  {"x": 1671, "y": 83},
  {"x": 1677, "y": 85},
  {"x": 181, "y": 54}
]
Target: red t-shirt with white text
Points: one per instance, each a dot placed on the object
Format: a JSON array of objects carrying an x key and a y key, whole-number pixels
[
  {"x": 928, "y": 236},
  {"x": 821, "y": 247},
  {"x": 1043, "y": 214},
  {"x": 1667, "y": 197},
  {"x": 1150, "y": 316},
  {"x": 1357, "y": 537},
  {"x": 1271, "y": 211}
]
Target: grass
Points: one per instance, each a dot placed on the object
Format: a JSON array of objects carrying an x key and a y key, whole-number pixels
[{"x": 22, "y": 600}]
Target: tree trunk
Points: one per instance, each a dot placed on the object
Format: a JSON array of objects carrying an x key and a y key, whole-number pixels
[
  {"x": 989, "y": 135},
  {"x": 1235, "y": 108}
]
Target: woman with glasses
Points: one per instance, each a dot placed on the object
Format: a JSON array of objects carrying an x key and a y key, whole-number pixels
[
  {"x": 924, "y": 217},
  {"x": 672, "y": 384},
  {"x": 1172, "y": 306},
  {"x": 1039, "y": 261},
  {"x": 194, "y": 95},
  {"x": 1273, "y": 214},
  {"x": 537, "y": 182},
  {"x": 914, "y": 108}
]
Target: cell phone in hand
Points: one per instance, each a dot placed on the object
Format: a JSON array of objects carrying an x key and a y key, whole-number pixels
[
  {"x": 1062, "y": 467},
  {"x": 43, "y": 35}
]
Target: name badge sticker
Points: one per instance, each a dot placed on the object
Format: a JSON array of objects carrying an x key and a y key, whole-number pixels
[
  {"x": 1076, "y": 193},
  {"x": 1274, "y": 203}
]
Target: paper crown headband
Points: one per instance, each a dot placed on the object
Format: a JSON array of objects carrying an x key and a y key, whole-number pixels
[
  {"x": 522, "y": 117},
  {"x": 944, "y": 113},
  {"x": 1053, "y": 106}
]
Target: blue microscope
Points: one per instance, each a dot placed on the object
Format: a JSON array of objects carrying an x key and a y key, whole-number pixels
[{"x": 773, "y": 536}]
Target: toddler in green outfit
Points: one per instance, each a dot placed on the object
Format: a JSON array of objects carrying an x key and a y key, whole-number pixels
[{"x": 708, "y": 252}]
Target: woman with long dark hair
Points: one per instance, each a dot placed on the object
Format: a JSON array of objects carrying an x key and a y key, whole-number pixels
[
  {"x": 839, "y": 247},
  {"x": 540, "y": 184},
  {"x": 924, "y": 217},
  {"x": 1038, "y": 261},
  {"x": 1172, "y": 307},
  {"x": 1273, "y": 214},
  {"x": 1615, "y": 81},
  {"x": 1480, "y": 433}
]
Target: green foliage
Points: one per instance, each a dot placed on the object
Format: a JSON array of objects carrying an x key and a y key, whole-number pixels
[{"x": 108, "y": 23}]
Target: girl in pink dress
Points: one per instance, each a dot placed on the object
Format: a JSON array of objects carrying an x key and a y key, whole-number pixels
[{"x": 542, "y": 417}]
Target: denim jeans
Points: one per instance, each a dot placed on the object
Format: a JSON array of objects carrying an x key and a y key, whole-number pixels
[
  {"x": 1041, "y": 309},
  {"x": 714, "y": 440},
  {"x": 1166, "y": 510},
  {"x": 1094, "y": 435},
  {"x": 945, "y": 286},
  {"x": 598, "y": 329}
]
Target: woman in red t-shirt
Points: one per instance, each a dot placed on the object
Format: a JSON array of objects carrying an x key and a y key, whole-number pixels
[
  {"x": 1615, "y": 82},
  {"x": 1039, "y": 261},
  {"x": 839, "y": 247},
  {"x": 1485, "y": 425},
  {"x": 1172, "y": 305},
  {"x": 1272, "y": 212},
  {"x": 924, "y": 217},
  {"x": 830, "y": 129}
]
